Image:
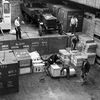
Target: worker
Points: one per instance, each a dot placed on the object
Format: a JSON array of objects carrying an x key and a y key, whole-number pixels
[
  {"x": 74, "y": 40},
  {"x": 85, "y": 70},
  {"x": 66, "y": 66},
  {"x": 73, "y": 24},
  {"x": 18, "y": 28},
  {"x": 40, "y": 28},
  {"x": 60, "y": 29}
]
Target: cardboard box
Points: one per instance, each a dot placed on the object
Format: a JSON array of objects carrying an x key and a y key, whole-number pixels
[
  {"x": 23, "y": 57},
  {"x": 55, "y": 70},
  {"x": 25, "y": 70},
  {"x": 64, "y": 53},
  {"x": 38, "y": 67}
]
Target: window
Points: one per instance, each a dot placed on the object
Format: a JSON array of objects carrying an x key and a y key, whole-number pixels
[{"x": 6, "y": 8}]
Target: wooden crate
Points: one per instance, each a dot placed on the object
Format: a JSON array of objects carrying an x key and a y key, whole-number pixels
[
  {"x": 23, "y": 57},
  {"x": 9, "y": 80},
  {"x": 39, "y": 67},
  {"x": 4, "y": 45}
]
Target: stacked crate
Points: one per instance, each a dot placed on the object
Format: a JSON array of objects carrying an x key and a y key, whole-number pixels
[
  {"x": 64, "y": 55},
  {"x": 89, "y": 48},
  {"x": 37, "y": 63},
  {"x": 24, "y": 61},
  {"x": 84, "y": 38},
  {"x": 65, "y": 58},
  {"x": 9, "y": 80},
  {"x": 78, "y": 59}
]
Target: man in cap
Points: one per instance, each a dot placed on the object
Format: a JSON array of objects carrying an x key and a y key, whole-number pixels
[{"x": 18, "y": 28}]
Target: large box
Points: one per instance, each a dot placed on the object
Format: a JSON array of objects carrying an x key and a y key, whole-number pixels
[
  {"x": 23, "y": 57},
  {"x": 55, "y": 70},
  {"x": 90, "y": 47},
  {"x": 9, "y": 80},
  {"x": 84, "y": 38},
  {"x": 24, "y": 60},
  {"x": 64, "y": 54},
  {"x": 74, "y": 52},
  {"x": 9, "y": 64},
  {"x": 77, "y": 60},
  {"x": 35, "y": 56}
]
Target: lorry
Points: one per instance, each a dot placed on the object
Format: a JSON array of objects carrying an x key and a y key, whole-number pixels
[{"x": 49, "y": 23}]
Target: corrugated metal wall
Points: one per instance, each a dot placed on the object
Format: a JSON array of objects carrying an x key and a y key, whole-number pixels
[{"x": 91, "y": 3}]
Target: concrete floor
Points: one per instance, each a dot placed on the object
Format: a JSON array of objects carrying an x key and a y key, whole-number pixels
[
  {"x": 33, "y": 87},
  {"x": 28, "y": 31},
  {"x": 32, "y": 31}
]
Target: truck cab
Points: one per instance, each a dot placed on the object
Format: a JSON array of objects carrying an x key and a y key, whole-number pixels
[{"x": 48, "y": 24}]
